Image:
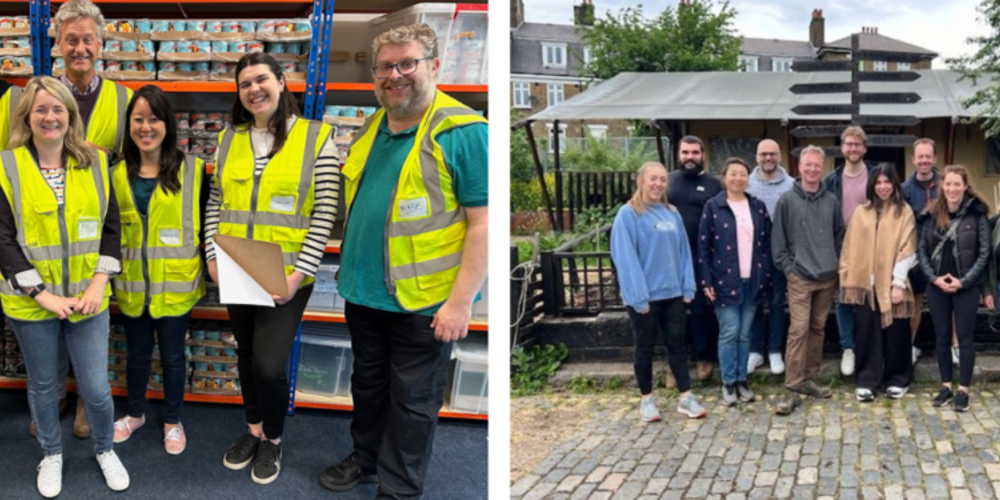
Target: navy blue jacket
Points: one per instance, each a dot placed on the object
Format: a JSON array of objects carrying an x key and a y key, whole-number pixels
[
  {"x": 718, "y": 259},
  {"x": 916, "y": 196}
]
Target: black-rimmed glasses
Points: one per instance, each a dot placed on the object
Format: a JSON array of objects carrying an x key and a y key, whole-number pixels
[{"x": 403, "y": 67}]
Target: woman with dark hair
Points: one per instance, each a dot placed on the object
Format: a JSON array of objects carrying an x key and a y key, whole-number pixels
[
  {"x": 276, "y": 180},
  {"x": 879, "y": 250},
  {"x": 734, "y": 262},
  {"x": 160, "y": 192},
  {"x": 954, "y": 256}
]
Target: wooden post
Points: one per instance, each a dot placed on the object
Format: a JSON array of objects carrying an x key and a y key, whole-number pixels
[{"x": 540, "y": 173}]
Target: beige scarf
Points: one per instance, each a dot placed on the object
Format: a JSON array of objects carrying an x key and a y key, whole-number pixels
[{"x": 873, "y": 245}]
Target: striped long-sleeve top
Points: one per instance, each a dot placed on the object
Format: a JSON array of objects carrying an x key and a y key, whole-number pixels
[{"x": 327, "y": 192}]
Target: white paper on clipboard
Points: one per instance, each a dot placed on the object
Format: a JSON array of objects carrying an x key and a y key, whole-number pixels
[{"x": 236, "y": 286}]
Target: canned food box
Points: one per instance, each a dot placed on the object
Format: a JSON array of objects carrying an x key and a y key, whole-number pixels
[
  {"x": 248, "y": 26},
  {"x": 129, "y": 46},
  {"x": 239, "y": 46},
  {"x": 266, "y": 27},
  {"x": 221, "y": 67},
  {"x": 158, "y": 26},
  {"x": 178, "y": 26},
  {"x": 201, "y": 66},
  {"x": 168, "y": 46},
  {"x": 147, "y": 66},
  {"x": 220, "y": 46},
  {"x": 275, "y": 48},
  {"x": 283, "y": 26},
  {"x": 129, "y": 66},
  {"x": 185, "y": 66},
  {"x": 143, "y": 25},
  {"x": 112, "y": 66},
  {"x": 213, "y": 26},
  {"x": 230, "y": 27},
  {"x": 167, "y": 67},
  {"x": 113, "y": 45},
  {"x": 254, "y": 47},
  {"x": 196, "y": 25},
  {"x": 146, "y": 46}
]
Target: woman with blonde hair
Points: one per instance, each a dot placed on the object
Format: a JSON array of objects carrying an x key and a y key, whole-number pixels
[
  {"x": 954, "y": 256},
  {"x": 59, "y": 245},
  {"x": 655, "y": 274}
]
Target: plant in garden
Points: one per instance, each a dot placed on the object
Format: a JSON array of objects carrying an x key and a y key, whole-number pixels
[
  {"x": 530, "y": 369},
  {"x": 983, "y": 65}
]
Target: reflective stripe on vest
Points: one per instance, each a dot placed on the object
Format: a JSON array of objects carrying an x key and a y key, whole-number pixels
[
  {"x": 170, "y": 270},
  {"x": 426, "y": 226},
  {"x": 61, "y": 242},
  {"x": 277, "y": 206}
]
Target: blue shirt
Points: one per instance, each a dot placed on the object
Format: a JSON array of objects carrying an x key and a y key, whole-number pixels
[{"x": 362, "y": 261}]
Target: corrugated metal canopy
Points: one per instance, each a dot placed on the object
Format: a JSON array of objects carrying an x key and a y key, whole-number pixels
[{"x": 749, "y": 96}]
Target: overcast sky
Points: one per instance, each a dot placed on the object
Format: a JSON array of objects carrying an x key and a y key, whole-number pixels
[{"x": 941, "y": 26}]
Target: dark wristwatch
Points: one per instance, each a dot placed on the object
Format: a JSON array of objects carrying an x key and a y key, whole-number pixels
[{"x": 36, "y": 290}]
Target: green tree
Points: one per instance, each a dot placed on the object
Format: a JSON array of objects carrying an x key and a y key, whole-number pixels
[
  {"x": 522, "y": 165},
  {"x": 692, "y": 37},
  {"x": 984, "y": 65},
  {"x": 598, "y": 155}
]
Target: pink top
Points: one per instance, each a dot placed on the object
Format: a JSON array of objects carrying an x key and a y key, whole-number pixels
[
  {"x": 744, "y": 235},
  {"x": 854, "y": 193}
]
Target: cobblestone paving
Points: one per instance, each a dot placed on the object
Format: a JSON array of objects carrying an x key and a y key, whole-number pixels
[{"x": 832, "y": 449}]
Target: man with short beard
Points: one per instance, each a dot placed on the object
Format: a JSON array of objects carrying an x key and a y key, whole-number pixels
[
  {"x": 413, "y": 260},
  {"x": 768, "y": 182},
  {"x": 690, "y": 188},
  {"x": 848, "y": 183}
]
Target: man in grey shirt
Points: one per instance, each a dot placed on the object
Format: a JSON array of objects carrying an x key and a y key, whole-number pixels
[{"x": 768, "y": 182}]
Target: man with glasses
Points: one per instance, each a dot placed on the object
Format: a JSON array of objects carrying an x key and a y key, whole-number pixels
[
  {"x": 849, "y": 182},
  {"x": 413, "y": 260},
  {"x": 767, "y": 183}
]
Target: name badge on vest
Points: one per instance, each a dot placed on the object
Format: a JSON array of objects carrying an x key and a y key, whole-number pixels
[
  {"x": 170, "y": 236},
  {"x": 87, "y": 229},
  {"x": 283, "y": 203},
  {"x": 411, "y": 209}
]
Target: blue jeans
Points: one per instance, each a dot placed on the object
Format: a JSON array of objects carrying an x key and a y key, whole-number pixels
[
  {"x": 170, "y": 333},
  {"x": 773, "y": 343},
  {"x": 845, "y": 323},
  {"x": 87, "y": 344},
  {"x": 734, "y": 337}
]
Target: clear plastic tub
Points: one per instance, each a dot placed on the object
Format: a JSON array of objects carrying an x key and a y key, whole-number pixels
[
  {"x": 325, "y": 294},
  {"x": 325, "y": 366},
  {"x": 462, "y": 31},
  {"x": 470, "y": 380},
  {"x": 480, "y": 310}
]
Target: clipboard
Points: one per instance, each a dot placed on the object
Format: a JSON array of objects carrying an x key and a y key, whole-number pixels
[{"x": 262, "y": 260}]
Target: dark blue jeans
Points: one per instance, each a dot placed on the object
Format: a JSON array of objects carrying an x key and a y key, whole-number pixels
[
  {"x": 170, "y": 333},
  {"x": 774, "y": 342}
]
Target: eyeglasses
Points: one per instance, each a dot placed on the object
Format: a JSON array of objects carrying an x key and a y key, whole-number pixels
[{"x": 403, "y": 67}]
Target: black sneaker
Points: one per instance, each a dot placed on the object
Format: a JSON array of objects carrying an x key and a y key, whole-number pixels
[
  {"x": 346, "y": 475},
  {"x": 242, "y": 452},
  {"x": 268, "y": 463},
  {"x": 961, "y": 402},
  {"x": 944, "y": 397}
]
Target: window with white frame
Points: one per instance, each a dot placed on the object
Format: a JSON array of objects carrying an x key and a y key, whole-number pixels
[
  {"x": 781, "y": 65},
  {"x": 555, "y": 94},
  {"x": 902, "y": 66},
  {"x": 599, "y": 132},
  {"x": 880, "y": 66},
  {"x": 587, "y": 56},
  {"x": 554, "y": 54},
  {"x": 522, "y": 95},
  {"x": 861, "y": 65},
  {"x": 562, "y": 138},
  {"x": 748, "y": 64}
]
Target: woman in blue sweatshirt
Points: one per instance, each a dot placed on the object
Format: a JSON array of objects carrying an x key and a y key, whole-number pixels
[{"x": 650, "y": 251}]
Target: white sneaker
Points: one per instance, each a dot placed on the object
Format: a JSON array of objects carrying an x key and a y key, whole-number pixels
[
  {"x": 847, "y": 362},
  {"x": 954, "y": 354},
  {"x": 916, "y": 354},
  {"x": 896, "y": 392},
  {"x": 50, "y": 476},
  {"x": 754, "y": 361},
  {"x": 777, "y": 365},
  {"x": 114, "y": 472}
]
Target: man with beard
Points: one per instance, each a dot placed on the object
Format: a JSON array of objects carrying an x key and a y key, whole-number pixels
[
  {"x": 806, "y": 236},
  {"x": 689, "y": 189},
  {"x": 768, "y": 182},
  {"x": 848, "y": 183},
  {"x": 413, "y": 260}
]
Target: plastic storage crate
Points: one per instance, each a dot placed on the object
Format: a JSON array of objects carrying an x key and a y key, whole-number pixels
[
  {"x": 325, "y": 366},
  {"x": 325, "y": 294},
  {"x": 462, "y": 31},
  {"x": 470, "y": 380}
]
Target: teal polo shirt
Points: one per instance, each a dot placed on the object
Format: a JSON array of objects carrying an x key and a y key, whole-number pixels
[{"x": 362, "y": 260}]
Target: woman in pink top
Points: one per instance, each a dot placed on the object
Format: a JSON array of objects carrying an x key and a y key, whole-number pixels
[{"x": 733, "y": 271}]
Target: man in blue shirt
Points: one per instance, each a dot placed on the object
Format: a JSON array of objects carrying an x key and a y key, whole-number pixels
[{"x": 401, "y": 355}]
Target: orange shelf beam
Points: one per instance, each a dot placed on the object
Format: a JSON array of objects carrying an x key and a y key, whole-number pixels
[
  {"x": 187, "y": 1},
  {"x": 230, "y": 87}
]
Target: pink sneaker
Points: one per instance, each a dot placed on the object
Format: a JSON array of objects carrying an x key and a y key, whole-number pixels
[
  {"x": 125, "y": 426},
  {"x": 175, "y": 440}
]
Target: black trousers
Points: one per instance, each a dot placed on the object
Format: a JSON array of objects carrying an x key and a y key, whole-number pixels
[
  {"x": 962, "y": 307},
  {"x": 884, "y": 355},
  {"x": 398, "y": 385},
  {"x": 665, "y": 317},
  {"x": 264, "y": 338}
]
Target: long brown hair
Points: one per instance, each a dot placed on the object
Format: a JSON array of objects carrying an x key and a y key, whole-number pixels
[
  {"x": 287, "y": 105},
  {"x": 637, "y": 202},
  {"x": 939, "y": 207}
]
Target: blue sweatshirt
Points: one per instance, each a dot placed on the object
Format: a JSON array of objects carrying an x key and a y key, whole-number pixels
[{"x": 651, "y": 255}]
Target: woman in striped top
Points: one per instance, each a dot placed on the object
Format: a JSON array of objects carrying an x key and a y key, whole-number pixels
[{"x": 262, "y": 190}]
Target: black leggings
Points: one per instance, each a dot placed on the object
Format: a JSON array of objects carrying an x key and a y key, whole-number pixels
[
  {"x": 884, "y": 355},
  {"x": 264, "y": 337},
  {"x": 962, "y": 307},
  {"x": 666, "y": 316}
]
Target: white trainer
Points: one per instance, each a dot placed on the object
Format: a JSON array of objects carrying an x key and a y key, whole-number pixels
[
  {"x": 847, "y": 362},
  {"x": 50, "y": 476},
  {"x": 916, "y": 354},
  {"x": 114, "y": 472},
  {"x": 754, "y": 361},
  {"x": 777, "y": 364}
]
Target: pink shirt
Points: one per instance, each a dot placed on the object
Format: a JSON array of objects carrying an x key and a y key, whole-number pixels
[
  {"x": 744, "y": 235},
  {"x": 854, "y": 193}
]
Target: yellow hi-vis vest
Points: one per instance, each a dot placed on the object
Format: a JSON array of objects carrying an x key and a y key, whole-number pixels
[
  {"x": 106, "y": 127},
  {"x": 161, "y": 251},
  {"x": 277, "y": 205},
  {"x": 425, "y": 235},
  {"x": 62, "y": 242}
]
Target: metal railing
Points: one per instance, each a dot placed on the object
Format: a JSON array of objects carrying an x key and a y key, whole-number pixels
[{"x": 578, "y": 283}]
